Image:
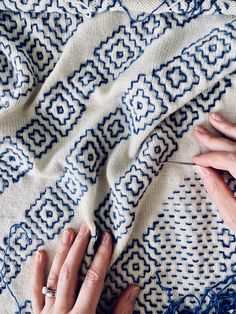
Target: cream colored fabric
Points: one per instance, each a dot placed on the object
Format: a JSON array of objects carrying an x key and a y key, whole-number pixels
[{"x": 93, "y": 94}]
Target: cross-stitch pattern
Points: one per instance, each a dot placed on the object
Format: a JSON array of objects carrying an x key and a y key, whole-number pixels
[{"x": 93, "y": 95}]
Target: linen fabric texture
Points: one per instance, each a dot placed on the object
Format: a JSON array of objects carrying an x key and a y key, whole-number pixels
[{"x": 93, "y": 94}]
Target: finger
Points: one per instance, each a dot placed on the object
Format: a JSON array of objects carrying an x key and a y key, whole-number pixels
[
  {"x": 223, "y": 125},
  {"x": 220, "y": 193},
  {"x": 213, "y": 142},
  {"x": 219, "y": 160},
  {"x": 92, "y": 286},
  {"x": 64, "y": 246},
  {"x": 38, "y": 281},
  {"x": 126, "y": 301},
  {"x": 68, "y": 278}
]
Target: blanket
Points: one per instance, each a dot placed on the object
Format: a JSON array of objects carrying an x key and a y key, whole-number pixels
[{"x": 93, "y": 95}]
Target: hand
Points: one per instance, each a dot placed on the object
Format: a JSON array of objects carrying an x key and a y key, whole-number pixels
[
  {"x": 222, "y": 156},
  {"x": 63, "y": 277}
]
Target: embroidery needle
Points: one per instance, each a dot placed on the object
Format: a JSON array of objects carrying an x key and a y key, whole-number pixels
[{"x": 177, "y": 162}]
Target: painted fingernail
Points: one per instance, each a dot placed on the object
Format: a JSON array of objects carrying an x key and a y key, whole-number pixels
[
  {"x": 216, "y": 116},
  {"x": 83, "y": 229},
  {"x": 200, "y": 129},
  {"x": 134, "y": 294},
  {"x": 202, "y": 172},
  {"x": 66, "y": 236},
  {"x": 105, "y": 238}
]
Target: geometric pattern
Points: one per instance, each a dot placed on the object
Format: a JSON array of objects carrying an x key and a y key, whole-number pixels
[
  {"x": 9, "y": 268},
  {"x": 118, "y": 51},
  {"x": 213, "y": 53},
  {"x": 178, "y": 236},
  {"x": 158, "y": 147},
  {"x": 71, "y": 186},
  {"x": 143, "y": 104},
  {"x": 86, "y": 79},
  {"x": 40, "y": 56},
  {"x": 174, "y": 78},
  {"x": 182, "y": 120},
  {"x": 21, "y": 242},
  {"x": 114, "y": 128},
  {"x": 60, "y": 108},
  {"x": 150, "y": 27},
  {"x": 15, "y": 73},
  {"x": 135, "y": 265},
  {"x": 113, "y": 217},
  {"x": 49, "y": 214},
  {"x": 26, "y": 308},
  {"x": 131, "y": 186},
  {"x": 60, "y": 26},
  {"x": 133, "y": 105},
  {"x": 87, "y": 156},
  {"x": 37, "y": 137},
  {"x": 14, "y": 163}
]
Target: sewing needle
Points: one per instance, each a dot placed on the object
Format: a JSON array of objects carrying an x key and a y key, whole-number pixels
[{"x": 178, "y": 162}]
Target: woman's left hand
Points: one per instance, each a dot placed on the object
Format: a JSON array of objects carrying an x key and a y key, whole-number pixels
[
  {"x": 63, "y": 277},
  {"x": 222, "y": 156}
]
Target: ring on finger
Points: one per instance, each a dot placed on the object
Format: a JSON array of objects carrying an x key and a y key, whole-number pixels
[{"x": 49, "y": 292}]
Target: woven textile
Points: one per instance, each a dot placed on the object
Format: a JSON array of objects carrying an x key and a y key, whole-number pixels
[{"x": 93, "y": 94}]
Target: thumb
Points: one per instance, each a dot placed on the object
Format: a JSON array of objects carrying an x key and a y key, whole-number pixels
[{"x": 126, "y": 301}]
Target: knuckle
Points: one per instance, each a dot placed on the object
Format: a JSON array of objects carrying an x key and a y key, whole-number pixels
[
  {"x": 61, "y": 251},
  {"x": 65, "y": 272},
  {"x": 52, "y": 278},
  {"x": 93, "y": 275},
  {"x": 232, "y": 156},
  {"x": 102, "y": 251},
  {"x": 211, "y": 186}
]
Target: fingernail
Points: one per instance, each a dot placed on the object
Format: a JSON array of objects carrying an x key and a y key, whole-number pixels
[
  {"x": 39, "y": 256},
  {"x": 202, "y": 172},
  {"x": 105, "y": 238},
  {"x": 66, "y": 236},
  {"x": 134, "y": 294},
  {"x": 83, "y": 229},
  {"x": 200, "y": 129},
  {"x": 216, "y": 116}
]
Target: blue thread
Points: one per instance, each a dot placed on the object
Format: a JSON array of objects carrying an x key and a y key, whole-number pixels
[{"x": 4, "y": 262}]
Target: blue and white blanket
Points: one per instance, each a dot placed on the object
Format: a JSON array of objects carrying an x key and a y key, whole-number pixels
[{"x": 93, "y": 94}]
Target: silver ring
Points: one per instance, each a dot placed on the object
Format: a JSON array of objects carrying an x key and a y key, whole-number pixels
[{"x": 49, "y": 292}]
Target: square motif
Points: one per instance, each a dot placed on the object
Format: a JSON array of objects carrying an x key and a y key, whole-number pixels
[
  {"x": 60, "y": 108},
  {"x": 86, "y": 79},
  {"x": 213, "y": 53},
  {"x": 49, "y": 214},
  {"x": 114, "y": 128},
  {"x": 37, "y": 137},
  {"x": 13, "y": 160},
  {"x": 87, "y": 156},
  {"x": 70, "y": 185},
  {"x": 118, "y": 51},
  {"x": 142, "y": 104},
  {"x": 114, "y": 218},
  {"x": 177, "y": 77},
  {"x": 131, "y": 187}
]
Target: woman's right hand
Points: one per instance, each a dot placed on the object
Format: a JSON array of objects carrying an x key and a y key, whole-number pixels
[{"x": 222, "y": 156}]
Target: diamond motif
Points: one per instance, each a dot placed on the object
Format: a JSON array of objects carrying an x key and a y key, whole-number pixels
[
  {"x": 48, "y": 214},
  {"x": 37, "y": 137},
  {"x": 60, "y": 108},
  {"x": 88, "y": 156},
  {"x": 213, "y": 53},
  {"x": 143, "y": 105}
]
